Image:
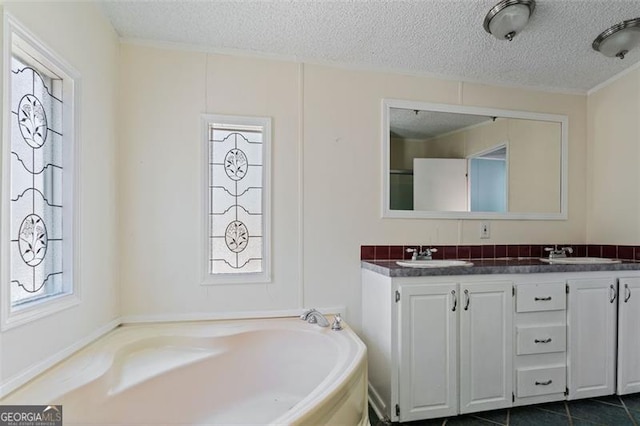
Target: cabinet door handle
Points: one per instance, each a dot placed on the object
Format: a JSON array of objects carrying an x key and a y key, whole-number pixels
[
  {"x": 613, "y": 293},
  {"x": 467, "y": 300},
  {"x": 544, "y": 299},
  {"x": 548, "y": 382},
  {"x": 627, "y": 291},
  {"x": 547, "y": 340},
  {"x": 455, "y": 300}
]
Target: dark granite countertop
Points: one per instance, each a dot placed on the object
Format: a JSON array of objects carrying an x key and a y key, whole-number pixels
[{"x": 514, "y": 265}]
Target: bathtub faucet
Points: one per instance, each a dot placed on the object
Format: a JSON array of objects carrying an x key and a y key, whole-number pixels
[{"x": 312, "y": 316}]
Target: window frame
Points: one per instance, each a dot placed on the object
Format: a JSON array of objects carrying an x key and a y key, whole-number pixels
[
  {"x": 241, "y": 277},
  {"x": 15, "y": 34}
]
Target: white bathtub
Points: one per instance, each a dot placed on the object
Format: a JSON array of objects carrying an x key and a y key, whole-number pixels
[{"x": 249, "y": 372}]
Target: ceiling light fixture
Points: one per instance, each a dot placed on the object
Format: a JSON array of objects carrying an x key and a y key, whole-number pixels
[
  {"x": 508, "y": 18},
  {"x": 618, "y": 39}
]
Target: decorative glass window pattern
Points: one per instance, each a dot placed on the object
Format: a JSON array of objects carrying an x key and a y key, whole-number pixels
[
  {"x": 236, "y": 191},
  {"x": 36, "y": 183},
  {"x": 37, "y": 196}
]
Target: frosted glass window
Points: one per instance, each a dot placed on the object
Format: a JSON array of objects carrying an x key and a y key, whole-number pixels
[{"x": 236, "y": 198}]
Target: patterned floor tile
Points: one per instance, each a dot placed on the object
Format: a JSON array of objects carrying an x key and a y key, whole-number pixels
[
  {"x": 467, "y": 421},
  {"x": 632, "y": 401},
  {"x": 555, "y": 407},
  {"x": 599, "y": 413},
  {"x": 499, "y": 417},
  {"x": 531, "y": 416}
]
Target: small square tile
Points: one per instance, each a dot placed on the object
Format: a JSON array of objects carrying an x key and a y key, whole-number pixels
[
  {"x": 396, "y": 252},
  {"x": 536, "y": 251},
  {"x": 464, "y": 252},
  {"x": 610, "y": 251},
  {"x": 476, "y": 252},
  {"x": 580, "y": 250},
  {"x": 512, "y": 250},
  {"x": 488, "y": 252},
  {"x": 626, "y": 252},
  {"x": 367, "y": 253},
  {"x": 450, "y": 252},
  {"x": 524, "y": 251},
  {"x": 501, "y": 251},
  {"x": 637, "y": 251},
  {"x": 438, "y": 254},
  {"x": 594, "y": 250},
  {"x": 382, "y": 252}
]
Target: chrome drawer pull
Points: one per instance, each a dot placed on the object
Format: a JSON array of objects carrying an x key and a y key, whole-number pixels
[
  {"x": 627, "y": 291},
  {"x": 548, "y": 382},
  {"x": 542, "y": 299},
  {"x": 547, "y": 340},
  {"x": 455, "y": 300}
]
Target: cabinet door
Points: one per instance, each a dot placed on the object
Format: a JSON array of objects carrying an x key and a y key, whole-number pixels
[
  {"x": 591, "y": 325},
  {"x": 628, "y": 336},
  {"x": 428, "y": 351},
  {"x": 486, "y": 346}
]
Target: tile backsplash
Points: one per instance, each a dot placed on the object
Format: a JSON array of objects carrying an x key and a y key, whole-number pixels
[{"x": 498, "y": 251}]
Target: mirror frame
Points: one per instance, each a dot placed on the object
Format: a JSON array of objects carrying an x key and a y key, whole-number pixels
[{"x": 387, "y": 104}]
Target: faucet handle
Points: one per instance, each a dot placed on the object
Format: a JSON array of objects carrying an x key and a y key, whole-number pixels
[
  {"x": 337, "y": 323},
  {"x": 568, "y": 249},
  {"x": 432, "y": 250}
]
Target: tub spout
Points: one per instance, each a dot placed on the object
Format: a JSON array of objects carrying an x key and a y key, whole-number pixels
[{"x": 312, "y": 316}]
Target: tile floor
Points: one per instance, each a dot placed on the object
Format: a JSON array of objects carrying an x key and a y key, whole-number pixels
[{"x": 610, "y": 410}]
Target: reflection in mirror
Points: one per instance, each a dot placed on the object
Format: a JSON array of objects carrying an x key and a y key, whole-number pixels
[{"x": 455, "y": 161}]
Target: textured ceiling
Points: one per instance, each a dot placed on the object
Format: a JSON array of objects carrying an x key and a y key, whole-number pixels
[
  {"x": 436, "y": 37},
  {"x": 415, "y": 124}
]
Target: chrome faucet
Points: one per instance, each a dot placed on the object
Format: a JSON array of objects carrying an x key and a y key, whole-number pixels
[
  {"x": 426, "y": 254},
  {"x": 312, "y": 316},
  {"x": 558, "y": 253}
]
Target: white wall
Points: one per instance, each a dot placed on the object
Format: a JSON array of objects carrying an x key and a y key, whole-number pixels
[
  {"x": 80, "y": 34},
  {"x": 614, "y": 154},
  {"x": 326, "y": 138}
]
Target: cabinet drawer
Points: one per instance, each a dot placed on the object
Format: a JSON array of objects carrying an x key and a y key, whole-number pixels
[
  {"x": 540, "y": 381},
  {"x": 541, "y": 297},
  {"x": 540, "y": 340}
]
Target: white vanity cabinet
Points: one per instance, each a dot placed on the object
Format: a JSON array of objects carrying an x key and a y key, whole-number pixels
[
  {"x": 446, "y": 345},
  {"x": 592, "y": 337},
  {"x": 604, "y": 344},
  {"x": 447, "y": 348},
  {"x": 628, "y": 336}
]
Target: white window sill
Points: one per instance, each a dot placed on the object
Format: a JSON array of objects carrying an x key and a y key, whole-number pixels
[{"x": 38, "y": 309}]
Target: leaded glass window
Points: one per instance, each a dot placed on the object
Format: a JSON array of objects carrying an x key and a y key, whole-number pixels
[
  {"x": 236, "y": 191},
  {"x": 36, "y": 183},
  {"x": 38, "y": 196}
]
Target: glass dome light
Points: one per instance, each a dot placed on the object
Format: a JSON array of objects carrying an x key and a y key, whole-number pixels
[
  {"x": 508, "y": 18},
  {"x": 619, "y": 39}
]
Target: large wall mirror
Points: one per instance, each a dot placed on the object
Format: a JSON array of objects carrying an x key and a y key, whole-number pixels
[{"x": 452, "y": 161}]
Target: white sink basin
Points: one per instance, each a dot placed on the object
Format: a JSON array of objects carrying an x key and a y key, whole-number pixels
[
  {"x": 579, "y": 260},
  {"x": 433, "y": 263}
]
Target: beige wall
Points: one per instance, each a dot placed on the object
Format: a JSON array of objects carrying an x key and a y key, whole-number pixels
[
  {"x": 614, "y": 154},
  {"x": 326, "y": 138},
  {"x": 164, "y": 93},
  {"x": 81, "y": 35}
]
